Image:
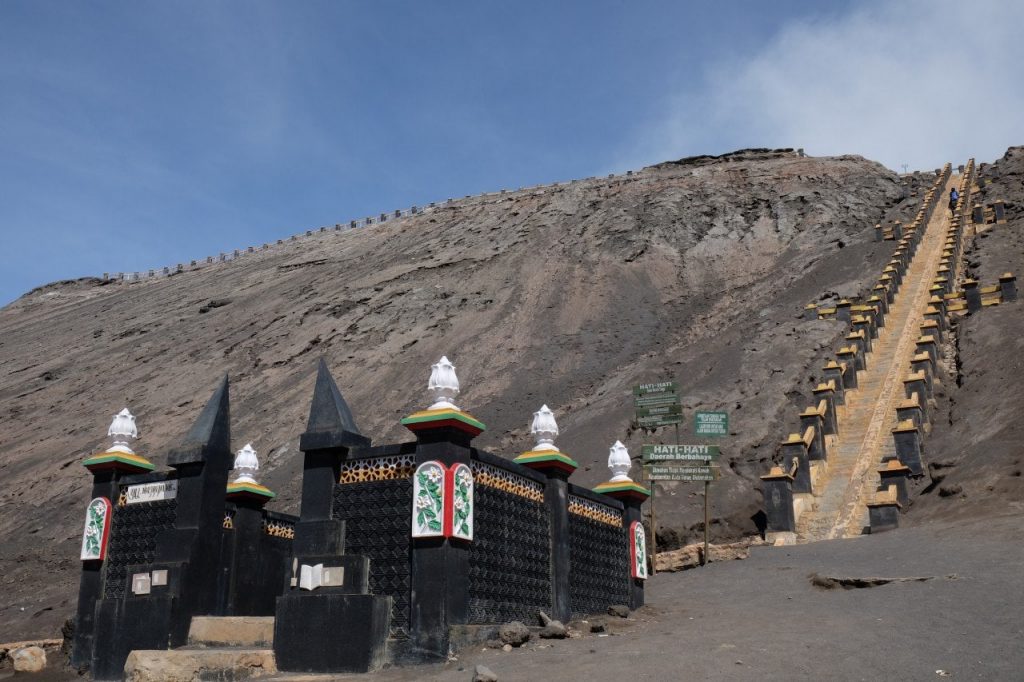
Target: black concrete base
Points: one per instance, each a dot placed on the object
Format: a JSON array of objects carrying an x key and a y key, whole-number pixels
[
  {"x": 331, "y": 633},
  {"x": 123, "y": 625},
  {"x": 319, "y": 537},
  {"x": 884, "y": 517}
]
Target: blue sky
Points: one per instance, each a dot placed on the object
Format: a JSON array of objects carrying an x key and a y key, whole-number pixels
[{"x": 135, "y": 135}]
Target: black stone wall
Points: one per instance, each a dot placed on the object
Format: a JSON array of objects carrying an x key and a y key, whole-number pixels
[
  {"x": 377, "y": 525},
  {"x": 134, "y": 530},
  {"x": 599, "y": 559},
  {"x": 510, "y": 558}
]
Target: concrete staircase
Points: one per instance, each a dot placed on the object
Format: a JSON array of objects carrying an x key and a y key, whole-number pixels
[
  {"x": 838, "y": 509},
  {"x": 223, "y": 649}
]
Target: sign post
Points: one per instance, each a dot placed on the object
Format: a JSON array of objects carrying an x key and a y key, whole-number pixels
[
  {"x": 657, "y": 404},
  {"x": 685, "y": 463}
]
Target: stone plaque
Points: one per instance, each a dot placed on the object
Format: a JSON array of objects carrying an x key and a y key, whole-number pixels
[{"x": 159, "y": 577}]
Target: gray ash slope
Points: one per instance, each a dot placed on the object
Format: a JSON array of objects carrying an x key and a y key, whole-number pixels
[
  {"x": 974, "y": 453},
  {"x": 567, "y": 295}
]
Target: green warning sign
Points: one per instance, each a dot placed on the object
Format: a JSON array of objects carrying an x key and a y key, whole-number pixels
[{"x": 711, "y": 423}]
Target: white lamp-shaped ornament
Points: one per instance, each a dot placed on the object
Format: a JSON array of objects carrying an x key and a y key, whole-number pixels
[
  {"x": 443, "y": 385},
  {"x": 121, "y": 429},
  {"x": 544, "y": 429},
  {"x": 619, "y": 463},
  {"x": 246, "y": 465}
]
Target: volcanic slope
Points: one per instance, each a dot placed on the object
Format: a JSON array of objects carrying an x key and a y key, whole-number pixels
[
  {"x": 695, "y": 270},
  {"x": 974, "y": 453}
]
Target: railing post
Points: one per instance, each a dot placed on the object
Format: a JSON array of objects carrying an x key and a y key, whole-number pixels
[
  {"x": 107, "y": 468},
  {"x": 440, "y": 565},
  {"x": 778, "y": 505},
  {"x": 632, "y": 495},
  {"x": 557, "y": 467}
]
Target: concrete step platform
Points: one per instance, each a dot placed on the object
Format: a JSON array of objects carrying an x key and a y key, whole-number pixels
[
  {"x": 186, "y": 665},
  {"x": 232, "y": 631}
]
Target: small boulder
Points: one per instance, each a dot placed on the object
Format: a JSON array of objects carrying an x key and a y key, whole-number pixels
[
  {"x": 514, "y": 633},
  {"x": 620, "y": 610},
  {"x": 597, "y": 626},
  {"x": 554, "y": 630},
  {"x": 484, "y": 674},
  {"x": 544, "y": 618},
  {"x": 950, "y": 490},
  {"x": 30, "y": 659}
]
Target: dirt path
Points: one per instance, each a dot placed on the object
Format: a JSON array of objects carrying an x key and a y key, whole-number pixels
[
  {"x": 870, "y": 413},
  {"x": 953, "y": 605}
]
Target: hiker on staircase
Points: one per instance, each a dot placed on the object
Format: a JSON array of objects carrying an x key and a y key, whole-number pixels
[{"x": 954, "y": 199}]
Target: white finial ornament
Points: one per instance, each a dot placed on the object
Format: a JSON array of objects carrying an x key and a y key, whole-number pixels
[
  {"x": 619, "y": 462},
  {"x": 246, "y": 465},
  {"x": 544, "y": 429},
  {"x": 443, "y": 385},
  {"x": 121, "y": 429}
]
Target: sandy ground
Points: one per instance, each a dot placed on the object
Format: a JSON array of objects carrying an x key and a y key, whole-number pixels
[{"x": 763, "y": 618}]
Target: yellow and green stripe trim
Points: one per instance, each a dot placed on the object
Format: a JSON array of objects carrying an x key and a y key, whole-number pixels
[
  {"x": 544, "y": 459},
  {"x": 115, "y": 460},
  {"x": 623, "y": 489},
  {"x": 432, "y": 419},
  {"x": 250, "y": 489}
]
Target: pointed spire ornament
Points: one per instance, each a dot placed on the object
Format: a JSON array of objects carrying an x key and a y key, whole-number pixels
[
  {"x": 330, "y": 423},
  {"x": 209, "y": 438}
]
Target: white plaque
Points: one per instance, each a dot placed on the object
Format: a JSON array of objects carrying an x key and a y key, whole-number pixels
[
  {"x": 334, "y": 576},
  {"x": 160, "y": 577},
  {"x": 152, "y": 492},
  {"x": 140, "y": 583}
]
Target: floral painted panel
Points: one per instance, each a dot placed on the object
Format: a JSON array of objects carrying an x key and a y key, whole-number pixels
[
  {"x": 97, "y": 530},
  {"x": 462, "y": 502},
  {"x": 428, "y": 500},
  {"x": 638, "y": 550}
]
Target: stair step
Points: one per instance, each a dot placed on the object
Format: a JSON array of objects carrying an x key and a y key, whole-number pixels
[
  {"x": 232, "y": 631},
  {"x": 185, "y": 665}
]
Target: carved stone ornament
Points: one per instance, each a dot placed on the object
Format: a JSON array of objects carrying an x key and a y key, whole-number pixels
[
  {"x": 544, "y": 429},
  {"x": 246, "y": 465},
  {"x": 619, "y": 463},
  {"x": 443, "y": 385},
  {"x": 442, "y": 501},
  {"x": 121, "y": 429},
  {"x": 97, "y": 530},
  {"x": 638, "y": 551}
]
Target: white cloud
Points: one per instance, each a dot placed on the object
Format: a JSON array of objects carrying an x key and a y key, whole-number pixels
[{"x": 919, "y": 83}]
